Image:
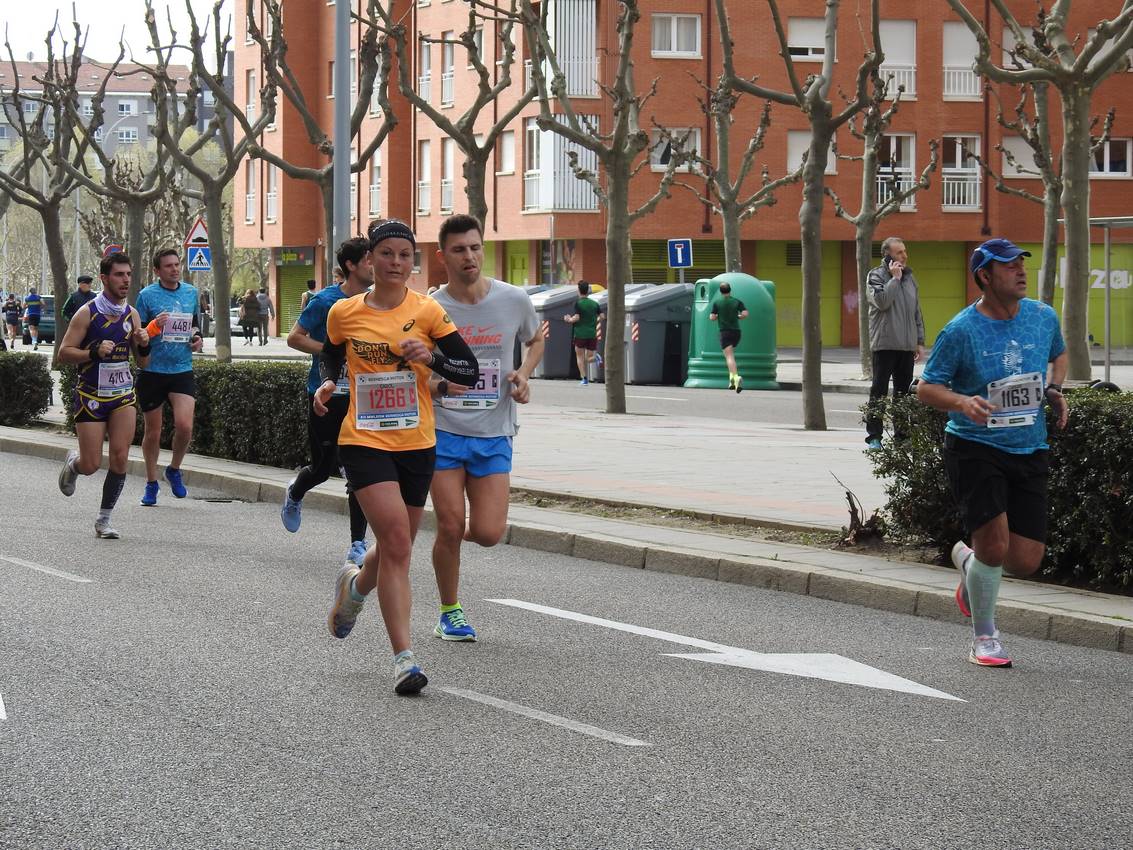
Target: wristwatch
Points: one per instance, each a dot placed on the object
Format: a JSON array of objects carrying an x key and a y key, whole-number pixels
[
  {"x": 442, "y": 388},
  {"x": 1056, "y": 387}
]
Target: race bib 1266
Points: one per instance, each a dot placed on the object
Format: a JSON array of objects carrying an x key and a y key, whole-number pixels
[{"x": 386, "y": 401}]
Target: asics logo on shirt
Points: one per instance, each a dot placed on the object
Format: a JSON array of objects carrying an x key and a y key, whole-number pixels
[{"x": 408, "y": 325}]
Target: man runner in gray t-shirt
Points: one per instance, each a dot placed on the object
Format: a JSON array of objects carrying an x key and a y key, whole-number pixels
[{"x": 475, "y": 425}]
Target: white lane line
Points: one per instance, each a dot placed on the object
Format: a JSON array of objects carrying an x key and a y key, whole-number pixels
[
  {"x": 836, "y": 410},
  {"x": 660, "y": 398},
  {"x": 3, "y": 713},
  {"x": 553, "y": 719},
  {"x": 51, "y": 571}
]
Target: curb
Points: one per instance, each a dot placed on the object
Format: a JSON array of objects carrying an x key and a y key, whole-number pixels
[{"x": 893, "y": 595}]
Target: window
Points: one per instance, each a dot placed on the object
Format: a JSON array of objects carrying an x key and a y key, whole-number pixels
[
  {"x": 424, "y": 178},
  {"x": 5, "y": 137},
  {"x": 376, "y": 185},
  {"x": 353, "y": 75},
  {"x": 960, "y": 172},
  {"x": 806, "y": 39},
  {"x": 99, "y": 134},
  {"x": 531, "y": 146},
  {"x": 425, "y": 71},
  {"x": 271, "y": 197},
  {"x": 448, "y": 60},
  {"x": 208, "y": 97},
  {"x": 1009, "y": 60},
  {"x": 895, "y": 168},
  {"x": 330, "y": 78},
  {"x": 505, "y": 163},
  {"x": 127, "y": 135},
  {"x": 127, "y": 107},
  {"x": 960, "y": 48},
  {"x": 899, "y": 43},
  {"x": 250, "y": 95},
  {"x": 353, "y": 195},
  {"x": 448, "y": 166},
  {"x": 1111, "y": 159},
  {"x": 798, "y": 143},
  {"x": 249, "y": 191},
  {"x": 676, "y": 36},
  {"x": 1016, "y": 149},
  {"x": 88, "y": 107},
  {"x": 31, "y": 107},
  {"x": 661, "y": 152}
]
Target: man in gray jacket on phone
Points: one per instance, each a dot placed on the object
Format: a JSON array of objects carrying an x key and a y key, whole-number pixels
[{"x": 896, "y": 332}]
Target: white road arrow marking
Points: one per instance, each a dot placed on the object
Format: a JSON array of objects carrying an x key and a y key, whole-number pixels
[
  {"x": 48, "y": 570},
  {"x": 3, "y": 713},
  {"x": 812, "y": 665}
]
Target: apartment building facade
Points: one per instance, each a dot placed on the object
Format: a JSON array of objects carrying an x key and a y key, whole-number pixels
[{"x": 546, "y": 226}]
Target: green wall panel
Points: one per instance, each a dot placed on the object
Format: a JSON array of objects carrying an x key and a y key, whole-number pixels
[
  {"x": 940, "y": 269},
  {"x": 771, "y": 264}
]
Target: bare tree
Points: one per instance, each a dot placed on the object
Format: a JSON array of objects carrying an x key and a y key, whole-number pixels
[
  {"x": 174, "y": 131},
  {"x": 617, "y": 152},
  {"x": 373, "y": 90},
  {"x": 1076, "y": 74},
  {"x": 812, "y": 97},
  {"x": 50, "y": 149},
  {"x": 476, "y": 145},
  {"x": 875, "y": 122}
]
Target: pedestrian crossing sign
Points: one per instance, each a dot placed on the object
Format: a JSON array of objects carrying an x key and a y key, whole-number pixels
[{"x": 200, "y": 259}]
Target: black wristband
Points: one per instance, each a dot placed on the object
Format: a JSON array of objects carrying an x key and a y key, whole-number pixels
[
  {"x": 442, "y": 388},
  {"x": 1056, "y": 387},
  {"x": 92, "y": 349},
  {"x": 143, "y": 350}
]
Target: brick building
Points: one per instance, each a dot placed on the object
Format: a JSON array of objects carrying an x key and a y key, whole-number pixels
[{"x": 546, "y": 226}]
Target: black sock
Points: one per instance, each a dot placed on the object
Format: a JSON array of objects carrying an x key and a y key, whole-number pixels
[
  {"x": 357, "y": 519},
  {"x": 305, "y": 479},
  {"x": 112, "y": 489}
]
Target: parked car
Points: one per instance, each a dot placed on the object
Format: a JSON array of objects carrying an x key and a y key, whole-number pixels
[{"x": 46, "y": 322}]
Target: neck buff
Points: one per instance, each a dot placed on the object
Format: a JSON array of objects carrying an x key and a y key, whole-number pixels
[
  {"x": 391, "y": 229},
  {"x": 108, "y": 308}
]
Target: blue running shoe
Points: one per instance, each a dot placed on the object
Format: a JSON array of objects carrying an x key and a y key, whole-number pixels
[
  {"x": 357, "y": 553},
  {"x": 345, "y": 610},
  {"x": 173, "y": 476},
  {"x": 407, "y": 676},
  {"x": 149, "y": 498},
  {"x": 292, "y": 511},
  {"x": 453, "y": 626}
]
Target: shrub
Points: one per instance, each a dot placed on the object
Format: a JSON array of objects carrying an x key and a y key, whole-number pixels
[
  {"x": 251, "y": 412},
  {"x": 25, "y": 387},
  {"x": 1090, "y": 537}
]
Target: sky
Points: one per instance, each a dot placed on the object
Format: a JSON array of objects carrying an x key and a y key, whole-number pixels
[{"x": 104, "y": 21}]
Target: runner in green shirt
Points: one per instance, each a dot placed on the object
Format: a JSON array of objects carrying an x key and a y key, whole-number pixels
[
  {"x": 728, "y": 311},
  {"x": 585, "y": 321}
]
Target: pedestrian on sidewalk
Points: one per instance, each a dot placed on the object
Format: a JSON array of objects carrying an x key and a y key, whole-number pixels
[
  {"x": 79, "y": 297},
  {"x": 992, "y": 368},
  {"x": 311, "y": 290},
  {"x": 585, "y": 322},
  {"x": 728, "y": 311},
  {"x": 249, "y": 315},
  {"x": 267, "y": 312},
  {"x": 475, "y": 426},
  {"x": 12, "y": 319},
  {"x": 99, "y": 341},
  {"x": 896, "y": 334}
]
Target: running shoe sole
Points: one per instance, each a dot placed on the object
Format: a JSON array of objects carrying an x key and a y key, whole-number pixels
[
  {"x": 107, "y": 534},
  {"x": 439, "y": 632},
  {"x": 411, "y": 684},
  {"x": 68, "y": 476},
  {"x": 989, "y": 662},
  {"x": 341, "y": 599},
  {"x": 961, "y": 602}
]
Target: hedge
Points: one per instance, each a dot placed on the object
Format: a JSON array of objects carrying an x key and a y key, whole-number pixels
[
  {"x": 1090, "y": 537},
  {"x": 251, "y": 412},
  {"x": 25, "y": 387}
]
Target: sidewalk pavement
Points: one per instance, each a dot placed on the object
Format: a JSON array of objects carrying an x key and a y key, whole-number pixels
[{"x": 742, "y": 472}]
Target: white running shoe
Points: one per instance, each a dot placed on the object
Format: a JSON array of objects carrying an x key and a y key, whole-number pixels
[
  {"x": 68, "y": 475},
  {"x": 407, "y": 676},
  {"x": 344, "y": 612},
  {"x": 103, "y": 529},
  {"x": 988, "y": 651},
  {"x": 961, "y": 552}
]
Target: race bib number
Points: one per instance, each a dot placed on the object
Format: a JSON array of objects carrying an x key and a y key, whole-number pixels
[
  {"x": 1017, "y": 400},
  {"x": 386, "y": 401},
  {"x": 484, "y": 396},
  {"x": 114, "y": 379},
  {"x": 342, "y": 385},
  {"x": 178, "y": 327}
]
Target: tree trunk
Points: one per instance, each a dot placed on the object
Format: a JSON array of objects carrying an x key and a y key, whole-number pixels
[
  {"x": 221, "y": 282},
  {"x": 475, "y": 178},
  {"x": 733, "y": 259},
  {"x": 618, "y": 253},
  {"x": 57, "y": 258},
  {"x": 863, "y": 254},
  {"x": 1076, "y": 210},
  {"x": 1052, "y": 209},
  {"x": 135, "y": 246},
  {"x": 810, "y": 227}
]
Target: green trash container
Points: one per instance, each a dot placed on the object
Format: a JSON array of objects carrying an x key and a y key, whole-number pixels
[{"x": 756, "y": 356}]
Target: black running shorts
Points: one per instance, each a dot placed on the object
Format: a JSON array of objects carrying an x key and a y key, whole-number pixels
[
  {"x": 412, "y": 470},
  {"x": 987, "y": 482},
  {"x": 153, "y": 388},
  {"x": 729, "y": 338}
]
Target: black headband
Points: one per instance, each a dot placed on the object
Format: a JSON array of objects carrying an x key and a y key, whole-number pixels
[{"x": 391, "y": 229}]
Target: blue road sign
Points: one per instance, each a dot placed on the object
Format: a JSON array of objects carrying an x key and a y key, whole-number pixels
[
  {"x": 200, "y": 259},
  {"x": 680, "y": 253}
]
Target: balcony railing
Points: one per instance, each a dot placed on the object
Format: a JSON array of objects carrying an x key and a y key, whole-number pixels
[
  {"x": 376, "y": 198},
  {"x": 898, "y": 76},
  {"x": 271, "y": 207},
  {"x": 581, "y": 75},
  {"x": 446, "y": 196},
  {"x": 532, "y": 190},
  {"x": 447, "y": 88},
  {"x": 250, "y": 207},
  {"x": 894, "y": 182},
  {"x": 424, "y": 196},
  {"x": 425, "y": 86},
  {"x": 961, "y": 83},
  {"x": 961, "y": 190},
  {"x": 250, "y": 111}
]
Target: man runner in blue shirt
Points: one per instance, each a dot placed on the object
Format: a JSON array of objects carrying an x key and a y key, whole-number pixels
[{"x": 991, "y": 369}]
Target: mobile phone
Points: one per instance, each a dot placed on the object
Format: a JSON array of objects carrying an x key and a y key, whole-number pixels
[{"x": 886, "y": 261}]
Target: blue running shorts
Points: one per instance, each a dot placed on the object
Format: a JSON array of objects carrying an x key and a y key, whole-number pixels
[{"x": 478, "y": 456}]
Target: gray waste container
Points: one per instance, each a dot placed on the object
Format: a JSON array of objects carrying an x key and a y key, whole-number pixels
[
  {"x": 519, "y": 343},
  {"x": 558, "y": 354},
  {"x": 658, "y": 320},
  {"x": 598, "y": 373}
]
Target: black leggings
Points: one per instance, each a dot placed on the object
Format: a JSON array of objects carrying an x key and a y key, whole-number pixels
[
  {"x": 249, "y": 330},
  {"x": 322, "y": 434}
]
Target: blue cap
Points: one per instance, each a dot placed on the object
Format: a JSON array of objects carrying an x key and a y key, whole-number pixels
[{"x": 999, "y": 250}]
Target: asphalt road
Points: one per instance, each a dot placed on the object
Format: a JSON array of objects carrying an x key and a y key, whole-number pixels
[{"x": 187, "y": 694}]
